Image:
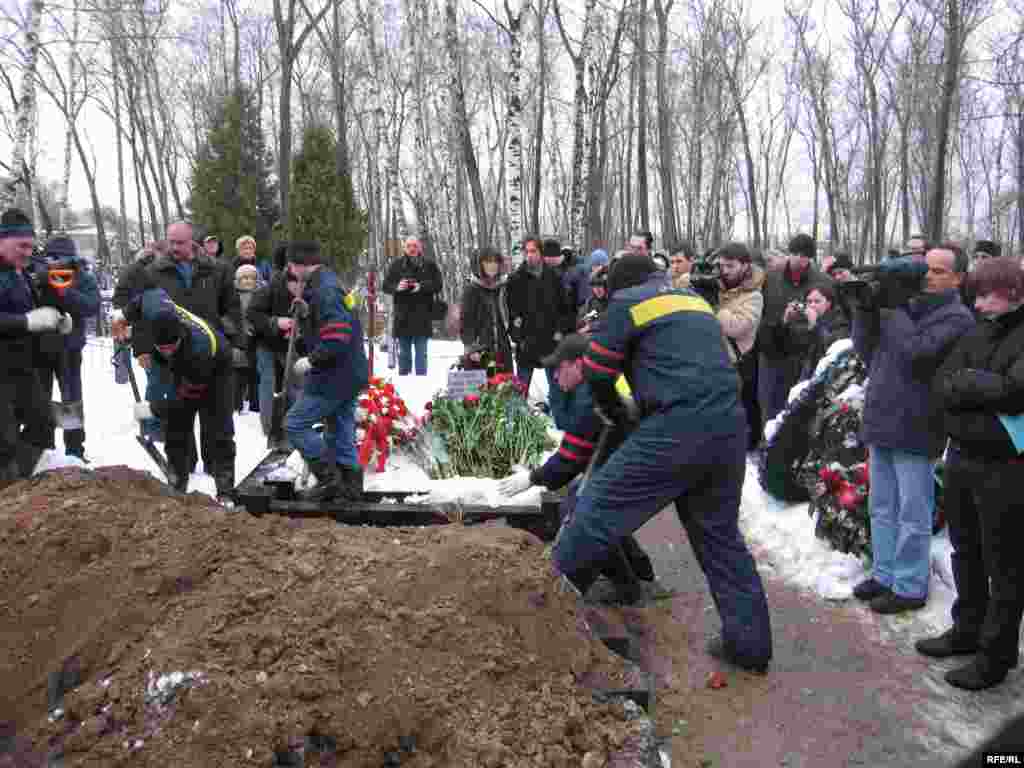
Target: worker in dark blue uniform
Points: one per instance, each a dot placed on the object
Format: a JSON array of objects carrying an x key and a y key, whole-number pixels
[
  {"x": 200, "y": 360},
  {"x": 688, "y": 447},
  {"x": 335, "y": 371},
  {"x": 26, "y": 423},
  {"x": 580, "y": 440}
]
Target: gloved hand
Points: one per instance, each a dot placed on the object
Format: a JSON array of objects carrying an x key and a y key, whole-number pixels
[
  {"x": 515, "y": 484},
  {"x": 302, "y": 366},
  {"x": 143, "y": 411},
  {"x": 42, "y": 319},
  {"x": 239, "y": 359},
  {"x": 119, "y": 327},
  {"x": 65, "y": 324}
]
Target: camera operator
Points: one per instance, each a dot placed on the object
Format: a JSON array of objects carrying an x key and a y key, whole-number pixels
[
  {"x": 903, "y": 344},
  {"x": 591, "y": 314},
  {"x": 779, "y": 366}
]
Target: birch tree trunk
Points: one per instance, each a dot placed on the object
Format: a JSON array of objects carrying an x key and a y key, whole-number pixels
[
  {"x": 64, "y": 210},
  {"x": 26, "y": 106},
  {"x": 538, "y": 133},
  {"x": 950, "y": 82},
  {"x": 643, "y": 197},
  {"x": 669, "y": 227},
  {"x": 514, "y": 131}
]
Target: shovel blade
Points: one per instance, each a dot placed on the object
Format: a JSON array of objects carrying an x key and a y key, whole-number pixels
[{"x": 68, "y": 415}]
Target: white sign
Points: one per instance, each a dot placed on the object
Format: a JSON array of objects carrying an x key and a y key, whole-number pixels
[{"x": 462, "y": 383}]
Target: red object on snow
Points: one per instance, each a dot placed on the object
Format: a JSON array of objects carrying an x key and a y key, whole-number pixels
[{"x": 716, "y": 680}]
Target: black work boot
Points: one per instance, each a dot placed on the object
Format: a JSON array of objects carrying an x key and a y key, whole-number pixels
[
  {"x": 949, "y": 643},
  {"x": 225, "y": 482},
  {"x": 328, "y": 482},
  {"x": 351, "y": 482},
  {"x": 982, "y": 673}
]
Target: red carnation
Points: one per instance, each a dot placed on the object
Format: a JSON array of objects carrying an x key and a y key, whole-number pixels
[
  {"x": 471, "y": 400},
  {"x": 849, "y": 499}
]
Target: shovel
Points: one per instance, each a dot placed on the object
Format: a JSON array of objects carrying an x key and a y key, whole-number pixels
[
  {"x": 68, "y": 416},
  {"x": 147, "y": 443},
  {"x": 280, "y": 402}
]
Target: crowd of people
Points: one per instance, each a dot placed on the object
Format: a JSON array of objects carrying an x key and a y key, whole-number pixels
[{"x": 663, "y": 364}]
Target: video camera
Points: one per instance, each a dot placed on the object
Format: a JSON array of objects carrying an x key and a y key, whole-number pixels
[
  {"x": 887, "y": 285},
  {"x": 705, "y": 275}
]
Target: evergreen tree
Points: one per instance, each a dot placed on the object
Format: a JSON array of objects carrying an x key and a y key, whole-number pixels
[
  {"x": 233, "y": 193},
  {"x": 322, "y": 205}
]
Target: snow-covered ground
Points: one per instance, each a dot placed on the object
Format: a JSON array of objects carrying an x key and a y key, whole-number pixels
[{"x": 783, "y": 534}]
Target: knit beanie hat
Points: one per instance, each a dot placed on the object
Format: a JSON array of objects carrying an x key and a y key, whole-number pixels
[
  {"x": 305, "y": 252},
  {"x": 551, "y": 249},
  {"x": 14, "y": 223},
  {"x": 61, "y": 247},
  {"x": 165, "y": 327},
  {"x": 597, "y": 258},
  {"x": 632, "y": 269},
  {"x": 803, "y": 244}
]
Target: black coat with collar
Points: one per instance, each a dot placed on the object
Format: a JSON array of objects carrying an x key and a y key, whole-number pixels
[
  {"x": 414, "y": 310},
  {"x": 984, "y": 376},
  {"x": 211, "y": 296},
  {"x": 536, "y": 311}
]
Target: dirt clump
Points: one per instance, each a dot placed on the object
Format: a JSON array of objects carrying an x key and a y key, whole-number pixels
[{"x": 190, "y": 635}]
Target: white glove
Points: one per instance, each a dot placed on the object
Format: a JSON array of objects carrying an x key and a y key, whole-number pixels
[
  {"x": 302, "y": 366},
  {"x": 515, "y": 484},
  {"x": 65, "y": 324},
  {"x": 42, "y": 319},
  {"x": 143, "y": 411}
]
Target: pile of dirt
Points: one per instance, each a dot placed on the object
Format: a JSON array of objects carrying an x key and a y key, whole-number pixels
[{"x": 190, "y": 635}]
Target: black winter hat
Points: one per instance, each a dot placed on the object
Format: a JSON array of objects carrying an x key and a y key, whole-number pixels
[
  {"x": 803, "y": 244},
  {"x": 989, "y": 248},
  {"x": 165, "y": 327},
  {"x": 840, "y": 261},
  {"x": 61, "y": 247},
  {"x": 14, "y": 223},
  {"x": 551, "y": 249},
  {"x": 571, "y": 347},
  {"x": 304, "y": 252},
  {"x": 632, "y": 269}
]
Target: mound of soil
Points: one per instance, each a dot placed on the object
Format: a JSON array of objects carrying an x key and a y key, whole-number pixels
[{"x": 189, "y": 635}]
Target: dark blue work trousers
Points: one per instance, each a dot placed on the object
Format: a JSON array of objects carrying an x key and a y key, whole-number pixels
[{"x": 665, "y": 459}]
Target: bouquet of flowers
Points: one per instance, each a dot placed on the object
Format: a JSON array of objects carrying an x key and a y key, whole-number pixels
[
  {"x": 383, "y": 423},
  {"x": 482, "y": 435}
]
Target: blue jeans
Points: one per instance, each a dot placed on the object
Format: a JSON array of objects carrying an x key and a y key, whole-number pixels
[
  {"x": 663, "y": 461},
  {"x": 313, "y": 409},
  {"x": 159, "y": 386},
  {"x": 405, "y": 345},
  {"x": 902, "y": 502}
]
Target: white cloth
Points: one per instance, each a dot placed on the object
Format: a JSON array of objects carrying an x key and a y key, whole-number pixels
[
  {"x": 42, "y": 319},
  {"x": 515, "y": 484}
]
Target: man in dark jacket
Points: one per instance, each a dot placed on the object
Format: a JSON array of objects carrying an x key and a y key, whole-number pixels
[
  {"x": 270, "y": 313},
  {"x": 485, "y": 314},
  {"x": 65, "y": 281},
  {"x": 536, "y": 310},
  {"x": 415, "y": 282},
  {"x": 335, "y": 371},
  {"x": 778, "y": 368},
  {"x": 689, "y": 446},
  {"x": 26, "y": 425},
  {"x": 199, "y": 358},
  {"x": 902, "y": 426}
]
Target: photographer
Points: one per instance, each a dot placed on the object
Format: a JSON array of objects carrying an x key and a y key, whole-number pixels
[
  {"x": 903, "y": 341},
  {"x": 591, "y": 314},
  {"x": 815, "y": 325},
  {"x": 415, "y": 282},
  {"x": 779, "y": 366},
  {"x": 484, "y": 315}
]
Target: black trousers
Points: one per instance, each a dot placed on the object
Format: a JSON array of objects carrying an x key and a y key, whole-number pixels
[
  {"x": 67, "y": 371},
  {"x": 26, "y": 424},
  {"x": 215, "y": 409},
  {"x": 985, "y": 512}
]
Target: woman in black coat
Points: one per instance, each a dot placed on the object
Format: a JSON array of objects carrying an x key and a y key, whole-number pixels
[
  {"x": 980, "y": 387},
  {"x": 815, "y": 327},
  {"x": 484, "y": 315}
]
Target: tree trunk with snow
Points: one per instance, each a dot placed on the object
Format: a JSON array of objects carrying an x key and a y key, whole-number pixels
[
  {"x": 65, "y": 210},
  {"x": 26, "y": 105},
  {"x": 514, "y": 135}
]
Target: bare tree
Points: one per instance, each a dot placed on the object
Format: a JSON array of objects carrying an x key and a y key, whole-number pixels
[{"x": 26, "y": 106}]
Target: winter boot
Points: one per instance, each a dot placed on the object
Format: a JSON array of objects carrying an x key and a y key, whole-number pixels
[
  {"x": 982, "y": 673},
  {"x": 225, "y": 481},
  {"x": 328, "y": 482},
  {"x": 949, "y": 643},
  {"x": 351, "y": 482}
]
